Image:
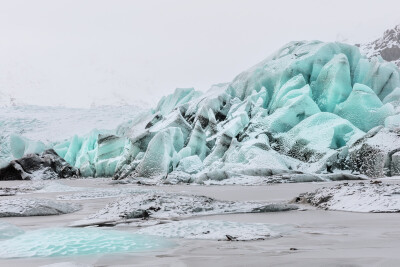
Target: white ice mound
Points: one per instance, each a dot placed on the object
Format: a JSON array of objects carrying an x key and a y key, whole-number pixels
[
  {"x": 357, "y": 197},
  {"x": 160, "y": 205},
  {"x": 17, "y": 207},
  {"x": 217, "y": 230},
  {"x": 56, "y": 242}
]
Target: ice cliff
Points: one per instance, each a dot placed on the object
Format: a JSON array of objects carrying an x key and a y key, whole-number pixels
[{"x": 312, "y": 107}]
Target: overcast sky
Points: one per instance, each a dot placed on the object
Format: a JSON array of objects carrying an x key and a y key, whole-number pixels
[{"x": 71, "y": 53}]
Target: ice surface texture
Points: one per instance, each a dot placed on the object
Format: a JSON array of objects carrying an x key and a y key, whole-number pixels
[
  {"x": 160, "y": 205},
  {"x": 19, "y": 207},
  {"x": 55, "y": 242},
  {"x": 217, "y": 230},
  {"x": 357, "y": 197}
]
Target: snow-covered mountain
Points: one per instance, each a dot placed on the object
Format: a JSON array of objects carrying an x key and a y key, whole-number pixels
[{"x": 388, "y": 46}]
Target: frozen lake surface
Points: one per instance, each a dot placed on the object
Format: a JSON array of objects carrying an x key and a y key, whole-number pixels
[{"x": 308, "y": 236}]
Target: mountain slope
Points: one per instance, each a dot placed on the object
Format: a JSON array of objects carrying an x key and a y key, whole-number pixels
[{"x": 388, "y": 46}]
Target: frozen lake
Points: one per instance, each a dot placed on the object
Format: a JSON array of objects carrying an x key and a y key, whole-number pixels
[{"x": 303, "y": 237}]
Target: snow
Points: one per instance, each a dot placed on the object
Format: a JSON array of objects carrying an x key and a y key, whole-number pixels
[
  {"x": 160, "y": 205},
  {"x": 34, "y": 207},
  {"x": 97, "y": 193},
  {"x": 387, "y": 47},
  {"x": 374, "y": 196},
  {"x": 217, "y": 230}
]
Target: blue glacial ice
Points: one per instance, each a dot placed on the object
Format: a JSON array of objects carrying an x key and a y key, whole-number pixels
[
  {"x": 58, "y": 242},
  {"x": 8, "y": 231},
  {"x": 311, "y": 107}
]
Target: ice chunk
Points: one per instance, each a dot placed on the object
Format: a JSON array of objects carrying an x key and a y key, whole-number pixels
[
  {"x": 393, "y": 98},
  {"x": 372, "y": 154},
  {"x": 358, "y": 197},
  {"x": 21, "y": 146},
  {"x": 48, "y": 165},
  {"x": 222, "y": 145},
  {"x": 381, "y": 77},
  {"x": 291, "y": 113},
  {"x": 158, "y": 159},
  {"x": 393, "y": 122},
  {"x": 160, "y": 205},
  {"x": 190, "y": 165},
  {"x": 17, "y": 207},
  {"x": 294, "y": 83},
  {"x": 179, "y": 97},
  {"x": 174, "y": 119},
  {"x": 395, "y": 164},
  {"x": 197, "y": 142},
  {"x": 313, "y": 137},
  {"x": 364, "y": 103},
  {"x": 333, "y": 84}
]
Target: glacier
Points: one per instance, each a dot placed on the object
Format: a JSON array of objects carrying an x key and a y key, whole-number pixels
[{"x": 309, "y": 110}]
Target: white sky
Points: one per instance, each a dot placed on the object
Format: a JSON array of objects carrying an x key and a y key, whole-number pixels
[{"x": 71, "y": 52}]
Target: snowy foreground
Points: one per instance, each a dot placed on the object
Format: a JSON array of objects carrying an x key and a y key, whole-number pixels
[
  {"x": 358, "y": 197},
  {"x": 123, "y": 224}
]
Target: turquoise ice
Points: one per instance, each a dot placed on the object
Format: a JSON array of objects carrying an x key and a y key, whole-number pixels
[
  {"x": 57, "y": 242},
  {"x": 301, "y": 109}
]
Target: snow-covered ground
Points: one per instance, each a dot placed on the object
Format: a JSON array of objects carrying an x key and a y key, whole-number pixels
[
  {"x": 167, "y": 206},
  {"x": 35, "y": 207},
  {"x": 373, "y": 196},
  {"x": 217, "y": 230}
]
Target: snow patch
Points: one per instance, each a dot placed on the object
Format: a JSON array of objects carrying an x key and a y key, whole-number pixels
[
  {"x": 358, "y": 197},
  {"x": 21, "y": 207},
  {"x": 217, "y": 230}
]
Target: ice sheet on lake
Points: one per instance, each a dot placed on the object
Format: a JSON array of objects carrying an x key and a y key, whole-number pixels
[
  {"x": 66, "y": 264},
  {"x": 56, "y": 242},
  {"x": 160, "y": 205},
  {"x": 357, "y": 197},
  {"x": 21, "y": 207},
  {"x": 217, "y": 230}
]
